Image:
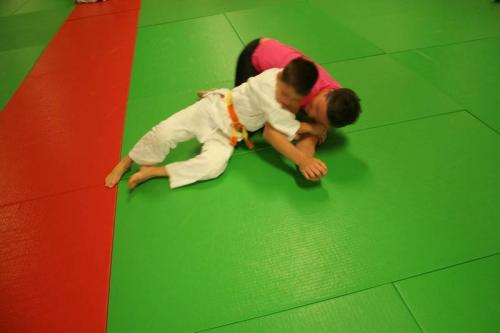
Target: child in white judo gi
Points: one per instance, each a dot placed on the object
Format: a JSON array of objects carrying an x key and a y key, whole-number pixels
[{"x": 221, "y": 119}]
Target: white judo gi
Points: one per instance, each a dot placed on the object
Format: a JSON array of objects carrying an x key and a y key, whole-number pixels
[{"x": 208, "y": 121}]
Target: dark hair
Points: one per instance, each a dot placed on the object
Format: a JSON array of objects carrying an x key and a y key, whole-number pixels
[
  {"x": 343, "y": 107},
  {"x": 301, "y": 74}
]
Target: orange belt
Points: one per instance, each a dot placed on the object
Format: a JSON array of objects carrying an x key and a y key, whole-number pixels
[{"x": 236, "y": 127}]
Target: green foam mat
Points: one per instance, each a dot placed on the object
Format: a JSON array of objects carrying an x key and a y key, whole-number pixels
[
  {"x": 389, "y": 92},
  {"x": 395, "y": 25},
  {"x": 193, "y": 54},
  {"x": 159, "y": 11},
  {"x": 464, "y": 298},
  {"x": 260, "y": 239},
  {"x": 8, "y": 7},
  {"x": 375, "y": 310},
  {"x": 24, "y": 37},
  {"x": 31, "y": 29},
  {"x": 468, "y": 72},
  {"x": 41, "y": 5},
  {"x": 14, "y": 65},
  {"x": 306, "y": 27}
]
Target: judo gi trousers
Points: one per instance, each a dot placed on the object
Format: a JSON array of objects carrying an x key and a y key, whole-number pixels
[{"x": 205, "y": 121}]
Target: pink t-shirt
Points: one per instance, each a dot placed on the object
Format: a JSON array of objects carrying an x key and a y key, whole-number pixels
[{"x": 272, "y": 54}]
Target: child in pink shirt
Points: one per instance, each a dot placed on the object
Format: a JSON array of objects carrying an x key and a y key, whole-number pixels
[
  {"x": 328, "y": 103},
  {"x": 270, "y": 53}
]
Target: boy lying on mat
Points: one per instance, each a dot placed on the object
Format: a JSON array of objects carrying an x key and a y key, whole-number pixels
[{"x": 222, "y": 118}]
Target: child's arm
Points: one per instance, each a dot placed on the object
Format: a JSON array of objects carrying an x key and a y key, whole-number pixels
[
  {"x": 307, "y": 144},
  {"x": 313, "y": 129},
  {"x": 310, "y": 167}
]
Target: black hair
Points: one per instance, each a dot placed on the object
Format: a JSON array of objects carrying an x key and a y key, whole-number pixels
[
  {"x": 244, "y": 66},
  {"x": 301, "y": 74},
  {"x": 343, "y": 107}
]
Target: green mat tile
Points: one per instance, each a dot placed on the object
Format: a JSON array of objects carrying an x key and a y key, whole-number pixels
[
  {"x": 395, "y": 25},
  {"x": 398, "y": 201},
  {"x": 24, "y": 37},
  {"x": 192, "y": 54},
  {"x": 40, "y": 5},
  {"x": 374, "y": 310},
  {"x": 32, "y": 29},
  {"x": 8, "y": 7},
  {"x": 389, "y": 91},
  {"x": 14, "y": 65},
  {"x": 468, "y": 72},
  {"x": 160, "y": 11},
  {"x": 306, "y": 28},
  {"x": 464, "y": 298}
]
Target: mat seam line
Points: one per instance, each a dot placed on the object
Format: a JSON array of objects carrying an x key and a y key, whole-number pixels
[
  {"x": 407, "y": 307},
  {"x": 234, "y": 29},
  {"x": 50, "y": 195},
  {"x": 18, "y": 8},
  {"x": 408, "y": 50},
  {"x": 442, "y": 114},
  {"x": 449, "y": 44},
  {"x": 482, "y": 122},
  {"x": 351, "y": 293},
  {"x": 375, "y": 127},
  {"x": 176, "y": 21}
]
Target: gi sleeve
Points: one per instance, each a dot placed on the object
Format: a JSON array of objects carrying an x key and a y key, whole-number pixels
[{"x": 284, "y": 121}]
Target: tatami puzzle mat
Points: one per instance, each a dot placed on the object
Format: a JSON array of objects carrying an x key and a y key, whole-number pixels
[
  {"x": 15, "y": 64},
  {"x": 468, "y": 72},
  {"x": 205, "y": 53},
  {"x": 304, "y": 26},
  {"x": 396, "y": 25},
  {"x": 59, "y": 128},
  {"x": 376, "y": 310},
  {"x": 261, "y": 249},
  {"x": 259, "y": 240},
  {"x": 23, "y": 38},
  {"x": 408, "y": 95},
  {"x": 154, "y": 12},
  {"x": 401, "y": 235},
  {"x": 41, "y": 5},
  {"x": 463, "y": 298}
]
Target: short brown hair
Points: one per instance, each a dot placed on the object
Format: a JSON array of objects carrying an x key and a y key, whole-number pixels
[
  {"x": 301, "y": 74},
  {"x": 343, "y": 107}
]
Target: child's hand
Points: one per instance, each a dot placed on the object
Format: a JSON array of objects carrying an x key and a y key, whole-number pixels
[{"x": 312, "y": 168}]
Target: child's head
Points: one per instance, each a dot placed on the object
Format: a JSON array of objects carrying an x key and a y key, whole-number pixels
[
  {"x": 295, "y": 81},
  {"x": 343, "y": 107},
  {"x": 336, "y": 108}
]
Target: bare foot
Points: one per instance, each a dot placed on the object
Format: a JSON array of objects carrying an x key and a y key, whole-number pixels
[
  {"x": 145, "y": 173},
  {"x": 116, "y": 174}
]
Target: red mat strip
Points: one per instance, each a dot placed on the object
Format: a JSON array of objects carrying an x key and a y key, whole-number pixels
[
  {"x": 60, "y": 133},
  {"x": 62, "y": 129}
]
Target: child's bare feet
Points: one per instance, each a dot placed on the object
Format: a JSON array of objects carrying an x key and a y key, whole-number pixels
[
  {"x": 145, "y": 173},
  {"x": 116, "y": 174}
]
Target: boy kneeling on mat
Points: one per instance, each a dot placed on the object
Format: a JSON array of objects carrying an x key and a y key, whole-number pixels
[{"x": 221, "y": 119}]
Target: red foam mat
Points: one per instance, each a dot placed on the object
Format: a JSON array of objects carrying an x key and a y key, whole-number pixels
[
  {"x": 62, "y": 129},
  {"x": 60, "y": 134},
  {"x": 55, "y": 262}
]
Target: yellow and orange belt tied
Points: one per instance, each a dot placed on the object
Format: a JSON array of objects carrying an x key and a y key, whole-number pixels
[{"x": 236, "y": 127}]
